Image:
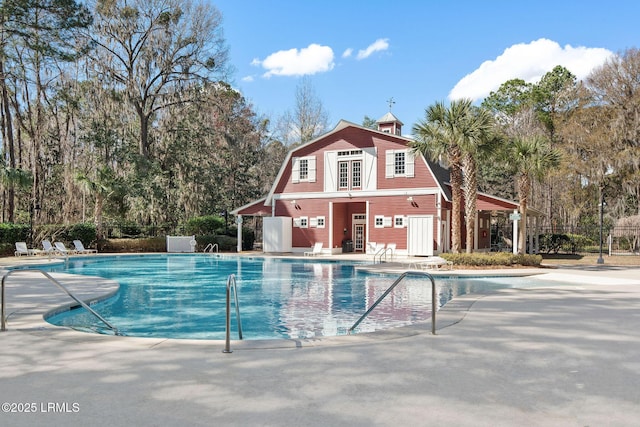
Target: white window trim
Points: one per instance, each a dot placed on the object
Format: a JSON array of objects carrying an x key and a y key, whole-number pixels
[
  {"x": 390, "y": 164},
  {"x": 304, "y": 222},
  {"x": 311, "y": 169},
  {"x": 375, "y": 221},
  {"x": 320, "y": 222},
  {"x": 402, "y": 221}
]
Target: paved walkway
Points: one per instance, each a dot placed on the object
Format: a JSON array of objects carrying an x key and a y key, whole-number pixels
[{"x": 562, "y": 355}]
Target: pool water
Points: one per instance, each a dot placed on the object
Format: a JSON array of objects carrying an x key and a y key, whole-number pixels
[{"x": 183, "y": 296}]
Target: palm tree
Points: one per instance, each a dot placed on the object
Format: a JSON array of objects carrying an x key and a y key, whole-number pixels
[
  {"x": 443, "y": 134},
  {"x": 530, "y": 157},
  {"x": 477, "y": 143},
  {"x": 101, "y": 187}
]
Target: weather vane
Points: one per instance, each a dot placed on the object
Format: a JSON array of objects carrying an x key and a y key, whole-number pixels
[{"x": 390, "y": 101}]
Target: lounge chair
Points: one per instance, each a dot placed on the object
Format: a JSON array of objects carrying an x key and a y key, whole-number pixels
[
  {"x": 435, "y": 263},
  {"x": 81, "y": 249},
  {"x": 48, "y": 248},
  {"x": 316, "y": 250},
  {"x": 22, "y": 249},
  {"x": 60, "y": 247}
]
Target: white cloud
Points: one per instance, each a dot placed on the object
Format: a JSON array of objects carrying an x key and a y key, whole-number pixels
[
  {"x": 347, "y": 53},
  {"x": 528, "y": 62},
  {"x": 293, "y": 62},
  {"x": 247, "y": 79},
  {"x": 376, "y": 46}
]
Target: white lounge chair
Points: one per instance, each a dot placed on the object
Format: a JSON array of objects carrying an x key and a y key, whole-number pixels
[
  {"x": 48, "y": 248},
  {"x": 435, "y": 263},
  {"x": 60, "y": 247},
  {"x": 22, "y": 249},
  {"x": 81, "y": 249},
  {"x": 316, "y": 250}
]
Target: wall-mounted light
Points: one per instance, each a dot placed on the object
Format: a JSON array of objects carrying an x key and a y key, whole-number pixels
[
  {"x": 410, "y": 199},
  {"x": 295, "y": 204}
]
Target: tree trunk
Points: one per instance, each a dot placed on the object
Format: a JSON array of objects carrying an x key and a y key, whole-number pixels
[
  {"x": 97, "y": 215},
  {"x": 524, "y": 184},
  {"x": 470, "y": 199},
  {"x": 456, "y": 195},
  {"x": 7, "y": 136}
]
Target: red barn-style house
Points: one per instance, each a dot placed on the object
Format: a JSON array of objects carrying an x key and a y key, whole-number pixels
[{"x": 355, "y": 189}]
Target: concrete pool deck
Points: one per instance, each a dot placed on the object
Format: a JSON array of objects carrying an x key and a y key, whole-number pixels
[{"x": 560, "y": 355}]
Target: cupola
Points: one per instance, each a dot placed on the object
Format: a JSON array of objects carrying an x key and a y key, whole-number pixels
[{"x": 390, "y": 124}]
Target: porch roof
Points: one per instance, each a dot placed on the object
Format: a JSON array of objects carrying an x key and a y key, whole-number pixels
[{"x": 255, "y": 208}]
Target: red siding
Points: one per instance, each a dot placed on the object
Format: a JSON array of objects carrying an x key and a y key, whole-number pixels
[
  {"x": 306, "y": 237},
  {"x": 353, "y": 138},
  {"x": 399, "y": 205},
  {"x": 422, "y": 177}
]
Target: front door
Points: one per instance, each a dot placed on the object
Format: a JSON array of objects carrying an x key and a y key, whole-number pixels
[{"x": 358, "y": 237}]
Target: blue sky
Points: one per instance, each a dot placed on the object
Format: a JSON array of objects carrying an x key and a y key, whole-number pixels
[{"x": 358, "y": 54}]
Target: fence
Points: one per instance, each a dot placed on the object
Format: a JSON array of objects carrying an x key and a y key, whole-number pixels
[
  {"x": 571, "y": 240},
  {"x": 624, "y": 241}
]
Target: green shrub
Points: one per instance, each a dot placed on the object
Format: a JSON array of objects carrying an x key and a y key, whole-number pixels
[
  {"x": 203, "y": 225},
  {"x": 577, "y": 243},
  {"x": 85, "y": 232},
  {"x": 248, "y": 238},
  {"x": 7, "y": 249},
  {"x": 553, "y": 242},
  {"x": 11, "y": 233},
  {"x": 493, "y": 259},
  {"x": 128, "y": 228},
  {"x": 226, "y": 243}
]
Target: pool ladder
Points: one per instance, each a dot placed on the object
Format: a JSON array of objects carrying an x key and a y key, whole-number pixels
[
  {"x": 3, "y": 326},
  {"x": 382, "y": 253},
  {"x": 396, "y": 283},
  {"x": 231, "y": 286},
  {"x": 210, "y": 247}
]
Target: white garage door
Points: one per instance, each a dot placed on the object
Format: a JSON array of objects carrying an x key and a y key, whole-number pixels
[{"x": 420, "y": 235}]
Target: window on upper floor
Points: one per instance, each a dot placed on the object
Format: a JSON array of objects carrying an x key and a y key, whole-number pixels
[
  {"x": 303, "y": 169},
  {"x": 399, "y": 163},
  {"x": 350, "y": 175},
  {"x": 350, "y": 170}
]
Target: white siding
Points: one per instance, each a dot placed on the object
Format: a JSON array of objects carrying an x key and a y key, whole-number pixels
[
  {"x": 330, "y": 164},
  {"x": 370, "y": 170}
]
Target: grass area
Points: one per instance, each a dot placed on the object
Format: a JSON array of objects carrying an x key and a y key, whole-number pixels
[{"x": 590, "y": 259}]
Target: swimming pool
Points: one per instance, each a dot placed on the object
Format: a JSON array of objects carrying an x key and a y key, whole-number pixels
[{"x": 183, "y": 296}]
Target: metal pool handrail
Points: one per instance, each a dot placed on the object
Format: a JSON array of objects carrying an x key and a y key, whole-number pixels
[
  {"x": 398, "y": 280},
  {"x": 383, "y": 253},
  {"x": 210, "y": 247},
  {"x": 231, "y": 284},
  {"x": 59, "y": 285}
]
